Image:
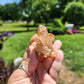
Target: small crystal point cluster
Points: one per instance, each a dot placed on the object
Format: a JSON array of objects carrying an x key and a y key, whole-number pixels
[{"x": 44, "y": 42}]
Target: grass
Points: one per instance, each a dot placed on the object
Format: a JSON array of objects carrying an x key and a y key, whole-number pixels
[
  {"x": 15, "y": 46},
  {"x": 73, "y": 50},
  {"x": 16, "y": 27},
  {"x": 82, "y": 27}
]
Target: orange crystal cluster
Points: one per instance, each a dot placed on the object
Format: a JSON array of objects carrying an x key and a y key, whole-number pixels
[{"x": 44, "y": 42}]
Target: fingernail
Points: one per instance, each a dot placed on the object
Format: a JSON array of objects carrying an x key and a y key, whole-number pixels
[
  {"x": 25, "y": 56},
  {"x": 57, "y": 44},
  {"x": 31, "y": 47}
]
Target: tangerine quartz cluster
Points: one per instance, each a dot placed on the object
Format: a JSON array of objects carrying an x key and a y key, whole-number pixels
[{"x": 43, "y": 43}]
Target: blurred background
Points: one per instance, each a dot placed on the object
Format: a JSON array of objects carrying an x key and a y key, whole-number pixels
[{"x": 19, "y": 21}]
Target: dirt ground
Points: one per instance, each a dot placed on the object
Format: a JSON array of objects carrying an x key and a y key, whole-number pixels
[{"x": 68, "y": 77}]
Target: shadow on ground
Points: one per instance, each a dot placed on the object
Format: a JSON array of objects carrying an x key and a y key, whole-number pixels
[
  {"x": 22, "y": 31},
  {"x": 34, "y": 26},
  {"x": 31, "y": 27}
]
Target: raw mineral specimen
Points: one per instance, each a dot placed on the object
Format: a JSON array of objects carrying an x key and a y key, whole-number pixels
[{"x": 44, "y": 42}]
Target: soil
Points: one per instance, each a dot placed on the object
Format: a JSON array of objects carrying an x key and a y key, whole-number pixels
[{"x": 69, "y": 77}]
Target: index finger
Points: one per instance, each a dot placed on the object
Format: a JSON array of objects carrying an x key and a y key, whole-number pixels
[
  {"x": 34, "y": 37},
  {"x": 31, "y": 56}
]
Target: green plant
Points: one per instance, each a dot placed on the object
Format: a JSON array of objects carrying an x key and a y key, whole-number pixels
[
  {"x": 74, "y": 13},
  {"x": 58, "y": 22},
  {"x": 58, "y": 27}
]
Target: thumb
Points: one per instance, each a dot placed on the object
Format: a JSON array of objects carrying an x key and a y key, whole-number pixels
[{"x": 32, "y": 59}]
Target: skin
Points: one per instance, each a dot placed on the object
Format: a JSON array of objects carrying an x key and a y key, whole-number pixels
[{"x": 43, "y": 71}]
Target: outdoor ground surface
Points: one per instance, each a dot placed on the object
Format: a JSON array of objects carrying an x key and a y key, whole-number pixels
[{"x": 73, "y": 45}]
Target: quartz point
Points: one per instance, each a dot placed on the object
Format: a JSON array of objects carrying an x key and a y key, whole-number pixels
[{"x": 43, "y": 43}]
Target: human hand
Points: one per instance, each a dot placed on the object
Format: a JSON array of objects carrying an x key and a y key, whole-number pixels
[{"x": 42, "y": 71}]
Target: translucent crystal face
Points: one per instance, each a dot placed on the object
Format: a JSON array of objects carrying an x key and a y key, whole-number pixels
[
  {"x": 42, "y": 30},
  {"x": 44, "y": 42}
]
